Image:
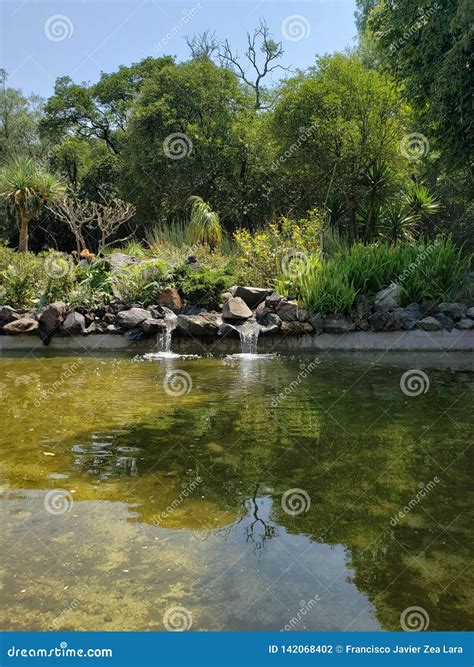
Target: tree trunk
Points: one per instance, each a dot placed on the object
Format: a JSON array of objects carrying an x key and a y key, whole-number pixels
[{"x": 23, "y": 229}]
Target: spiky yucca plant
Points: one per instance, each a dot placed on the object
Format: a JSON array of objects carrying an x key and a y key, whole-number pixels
[{"x": 26, "y": 186}]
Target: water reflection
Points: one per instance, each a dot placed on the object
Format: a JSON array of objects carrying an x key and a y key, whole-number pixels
[{"x": 178, "y": 499}]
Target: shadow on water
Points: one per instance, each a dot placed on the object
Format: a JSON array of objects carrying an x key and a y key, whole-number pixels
[{"x": 241, "y": 494}]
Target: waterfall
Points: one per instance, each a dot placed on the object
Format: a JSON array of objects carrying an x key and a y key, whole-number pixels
[
  {"x": 248, "y": 333},
  {"x": 164, "y": 339}
]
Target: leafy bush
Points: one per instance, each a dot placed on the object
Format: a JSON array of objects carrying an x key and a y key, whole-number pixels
[
  {"x": 263, "y": 253},
  {"x": 204, "y": 286},
  {"x": 141, "y": 284}
]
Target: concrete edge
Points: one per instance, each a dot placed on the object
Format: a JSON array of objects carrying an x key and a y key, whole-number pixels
[{"x": 437, "y": 341}]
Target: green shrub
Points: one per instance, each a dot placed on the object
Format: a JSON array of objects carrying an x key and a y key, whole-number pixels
[
  {"x": 204, "y": 286},
  {"x": 141, "y": 284}
]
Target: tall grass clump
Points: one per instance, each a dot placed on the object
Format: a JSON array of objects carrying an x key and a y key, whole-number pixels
[{"x": 424, "y": 269}]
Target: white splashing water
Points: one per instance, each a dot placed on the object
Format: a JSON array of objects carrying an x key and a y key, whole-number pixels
[
  {"x": 165, "y": 338},
  {"x": 248, "y": 333}
]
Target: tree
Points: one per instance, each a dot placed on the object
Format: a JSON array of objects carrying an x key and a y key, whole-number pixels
[
  {"x": 429, "y": 50},
  {"x": 27, "y": 187},
  {"x": 336, "y": 125}
]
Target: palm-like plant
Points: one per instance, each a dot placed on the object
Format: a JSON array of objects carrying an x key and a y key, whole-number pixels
[
  {"x": 396, "y": 223},
  {"x": 421, "y": 205},
  {"x": 26, "y": 186},
  {"x": 204, "y": 225}
]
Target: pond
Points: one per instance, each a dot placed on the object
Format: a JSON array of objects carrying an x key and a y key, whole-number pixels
[{"x": 235, "y": 493}]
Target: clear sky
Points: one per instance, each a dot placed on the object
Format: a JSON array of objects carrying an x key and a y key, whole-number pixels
[{"x": 41, "y": 40}]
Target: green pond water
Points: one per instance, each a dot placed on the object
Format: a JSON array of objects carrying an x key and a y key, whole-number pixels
[{"x": 129, "y": 496}]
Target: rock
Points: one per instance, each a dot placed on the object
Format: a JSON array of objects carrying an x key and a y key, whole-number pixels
[
  {"x": 273, "y": 300},
  {"x": 408, "y": 316},
  {"x": 109, "y": 318},
  {"x": 445, "y": 321},
  {"x": 236, "y": 309},
  {"x": 317, "y": 322},
  {"x": 455, "y": 310},
  {"x": 23, "y": 325},
  {"x": 429, "y": 324},
  {"x": 191, "y": 259},
  {"x": 289, "y": 311},
  {"x": 128, "y": 319},
  {"x": 361, "y": 311},
  {"x": 470, "y": 313},
  {"x": 465, "y": 324},
  {"x": 170, "y": 298},
  {"x": 338, "y": 324},
  {"x": 225, "y": 296},
  {"x": 7, "y": 315},
  {"x": 204, "y": 324},
  {"x": 152, "y": 326},
  {"x": 429, "y": 308},
  {"x": 118, "y": 261},
  {"x": 270, "y": 324},
  {"x": 135, "y": 334},
  {"x": 113, "y": 329},
  {"x": 252, "y": 295},
  {"x": 262, "y": 311},
  {"x": 74, "y": 324},
  {"x": 389, "y": 297},
  {"x": 296, "y": 328},
  {"x": 383, "y": 320},
  {"x": 51, "y": 319}
]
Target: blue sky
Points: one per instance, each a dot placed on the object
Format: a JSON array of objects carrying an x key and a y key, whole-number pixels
[{"x": 41, "y": 40}]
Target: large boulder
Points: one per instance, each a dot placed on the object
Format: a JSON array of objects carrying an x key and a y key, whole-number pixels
[
  {"x": 252, "y": 295},
  {"x": 74, "y": 324},
  {"x": 429, "y": 324},
  {"x": 317, "y": 322},
  {"x": 296, "y": 328},
  {"x": 170, "y": 298},
  {"x": 203, "y": 324},
  {"x": 470, "y": 313},
  {"x": 465, "y": 324},
  {"x": 51, "y": 319},
  {"x": 23, "y": 325},
  {"x": 408, "y": 316},
  {"x": 270, "y": 324},
  {"x": 383, "y": 320},
  {"x": 389, "y": 297},
  {"x": 338, "y": 324},
  {"x": 129, "y": 319},
  {"x": 273, "y": 300},
  {"x": 457, "y": 311},
  {"x": 8, "y": 314},
  {"x": 361, "y": 311},
  {"x": 236, "y": 309},
  {"x": 290, "y": 311},
  {"x": 445, "y": 321},
  {"x": 152, "y": 326}
]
